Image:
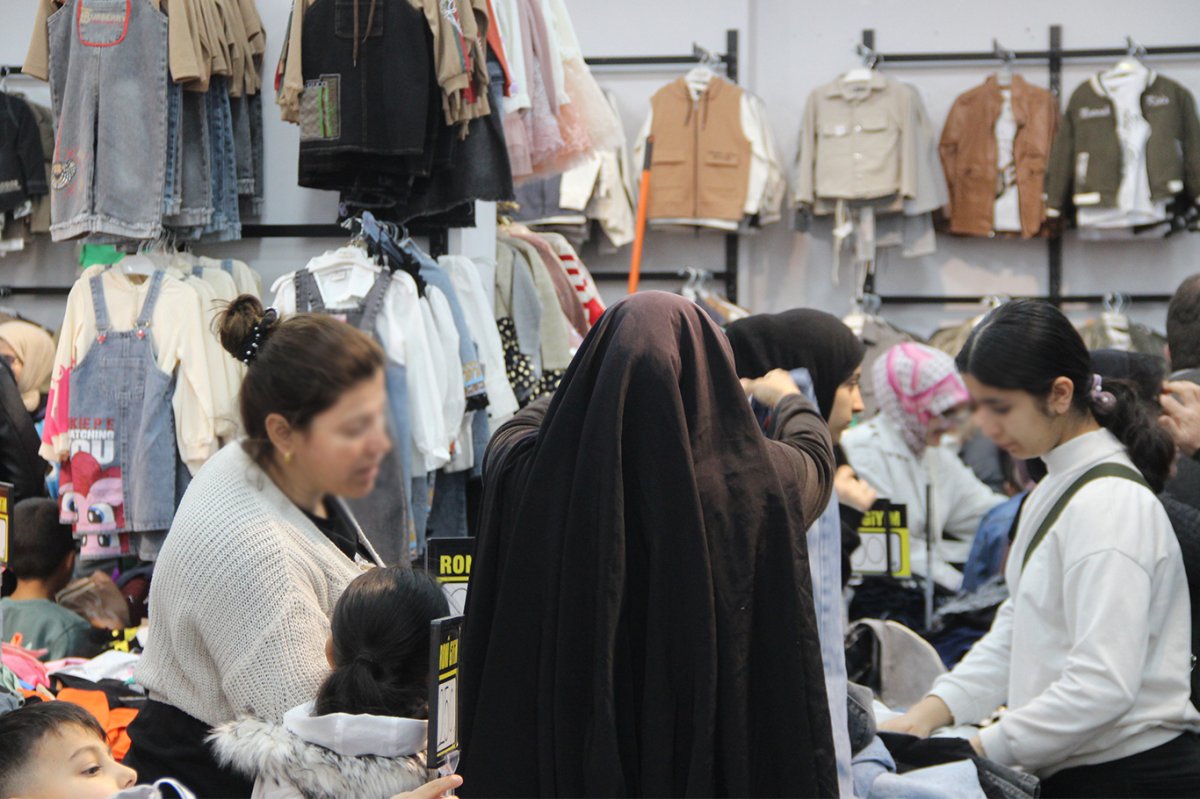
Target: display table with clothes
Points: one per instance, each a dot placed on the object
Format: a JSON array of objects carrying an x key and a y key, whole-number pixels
[{"x": 943, "y": 766}]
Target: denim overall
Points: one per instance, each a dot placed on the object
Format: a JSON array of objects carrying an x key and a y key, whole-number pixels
[
  {"x": 119, "y": 478},
  {"x": 108, "y": 84},
  {"x": 384, "y": 514}
]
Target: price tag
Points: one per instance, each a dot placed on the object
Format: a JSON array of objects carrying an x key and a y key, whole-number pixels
[
  {"x": 449, "y": 560},
  {"x": 885, "y": 545},
  {"x": 441, "y": 757}
]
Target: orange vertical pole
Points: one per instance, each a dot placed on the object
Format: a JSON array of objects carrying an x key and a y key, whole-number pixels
[{"x": 635, "y": 264}]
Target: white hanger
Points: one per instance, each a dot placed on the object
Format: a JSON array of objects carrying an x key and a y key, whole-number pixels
[
  {"x": 1131, "y": 64},
  {"x": 699, "y": 76},
  {"x": 1005, "y": 74},
  {"x": 140, "y": 263},
  {"x": 864, "y": 73}
]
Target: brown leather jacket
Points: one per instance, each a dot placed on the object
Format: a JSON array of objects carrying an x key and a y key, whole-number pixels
[{"x": 968, "y": 150}]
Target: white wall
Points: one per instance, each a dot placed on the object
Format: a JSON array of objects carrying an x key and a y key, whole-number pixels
[
  {"x": 817, "y": 38},
  {"x": 794, "y": 46},
  {"x": 789, "y": 47}
]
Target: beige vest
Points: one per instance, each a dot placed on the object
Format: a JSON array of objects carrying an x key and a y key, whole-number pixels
[{"x": 700, "y": 168}]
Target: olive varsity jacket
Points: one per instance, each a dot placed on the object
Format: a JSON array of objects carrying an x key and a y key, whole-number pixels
[{"x": 1085, "y": 161}]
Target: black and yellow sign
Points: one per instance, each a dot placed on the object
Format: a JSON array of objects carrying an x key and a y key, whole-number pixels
[
  {"x": 885, "y": 545},
  {"x": 449, "y": 560},
  {"x": 5, "y": 515},
  {"x": 441, "y": 757}
]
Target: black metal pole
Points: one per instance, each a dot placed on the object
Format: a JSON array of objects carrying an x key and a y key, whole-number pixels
[
  {"x": 732, "y": 240},
  {"x": 1054, "y": 245}
]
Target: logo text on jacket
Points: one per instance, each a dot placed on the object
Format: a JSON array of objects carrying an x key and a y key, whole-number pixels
[{"x": 1095, "y": 113}]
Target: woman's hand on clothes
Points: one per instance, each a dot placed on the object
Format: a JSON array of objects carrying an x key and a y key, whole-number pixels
[
  {"x": 771, "y": 387},
  {"x": 853, "y": 491},
  {"x": 1181, "y": 415},
  {"x": 921, "y": 719},
  {"x": 977, "y": 745},
  {"x": 432, "y": 790}
]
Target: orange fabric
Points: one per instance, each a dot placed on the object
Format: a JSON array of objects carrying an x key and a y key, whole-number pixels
[{"x": 115, "y": 721}]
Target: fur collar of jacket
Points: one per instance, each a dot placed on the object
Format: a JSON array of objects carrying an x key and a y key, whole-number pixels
[{"x": 273, "y": 754}]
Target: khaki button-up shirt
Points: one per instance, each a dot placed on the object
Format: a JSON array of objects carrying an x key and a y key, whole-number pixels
[{"x": 857, "y": 142}]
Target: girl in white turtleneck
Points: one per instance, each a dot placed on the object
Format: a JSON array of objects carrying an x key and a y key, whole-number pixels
[{"x": 1091, "y": 655}]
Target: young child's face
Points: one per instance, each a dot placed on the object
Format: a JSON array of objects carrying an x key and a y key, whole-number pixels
[{"x": 74, "y": 764}]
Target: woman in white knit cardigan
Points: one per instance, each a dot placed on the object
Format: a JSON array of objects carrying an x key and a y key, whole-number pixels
[{"x": 261, "y": 546}]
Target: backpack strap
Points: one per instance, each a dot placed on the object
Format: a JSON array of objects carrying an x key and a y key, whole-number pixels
[{"x": 1092, "y": 474}]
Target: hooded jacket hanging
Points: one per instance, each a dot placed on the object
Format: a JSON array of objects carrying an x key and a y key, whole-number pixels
[
  {"x": 640, "y": 621},
  {"x": 701, "y": 162}
]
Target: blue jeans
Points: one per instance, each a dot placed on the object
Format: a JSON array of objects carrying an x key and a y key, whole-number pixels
[{"x": 226, "y": 223}]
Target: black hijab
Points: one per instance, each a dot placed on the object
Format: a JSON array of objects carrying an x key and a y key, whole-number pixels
[
  {"x": 798, "y": 339},
  {"x": 640, "y": 619}
]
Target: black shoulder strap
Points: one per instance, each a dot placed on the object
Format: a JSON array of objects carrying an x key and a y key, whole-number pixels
[{"x": 1095, "y": 473}]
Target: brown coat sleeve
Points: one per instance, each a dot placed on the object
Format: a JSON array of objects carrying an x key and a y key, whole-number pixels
[
  {"x": 803, "y": 453},
  {"x": 948, "y": 146}
]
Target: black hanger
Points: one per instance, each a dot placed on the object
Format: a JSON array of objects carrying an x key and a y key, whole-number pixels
[{"x": 379, "y": 242}]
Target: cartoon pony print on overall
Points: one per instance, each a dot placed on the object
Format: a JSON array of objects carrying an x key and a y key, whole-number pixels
[{"x": 93, "y": 500}]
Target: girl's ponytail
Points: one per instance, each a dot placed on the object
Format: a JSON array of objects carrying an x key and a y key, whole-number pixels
[
  {"x": 1124, "y": 399},
  {"x": 381, "y": 644}
]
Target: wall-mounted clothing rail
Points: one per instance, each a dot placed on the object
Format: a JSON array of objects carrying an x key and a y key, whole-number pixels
[
  {"x": 1054, "y": 56},
  {"x": 730, "y": 60},
  {"x": 30, "y": 291},
  {"x": 1064, "y": 299},
  {"x": 1029, "y": 55},
  {"x": 436, "y": 228},
  {"x": 439, "y": 236}
]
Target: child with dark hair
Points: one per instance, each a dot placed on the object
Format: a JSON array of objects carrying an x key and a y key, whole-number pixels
[
  {"x": 1091, "y": 654},
  {"x": 42, "y": 556},
  {"x": 364, "y": 735},
  {"x": 56, "y": 750}
]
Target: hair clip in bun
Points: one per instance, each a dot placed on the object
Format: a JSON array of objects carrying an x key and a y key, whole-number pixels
[
  {"x": 257, "y": 334},
  {"x": 1103, "y": 401}
]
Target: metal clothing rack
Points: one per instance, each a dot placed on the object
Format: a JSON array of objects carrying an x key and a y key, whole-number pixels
[
  {"x": 730, "y": 60},
  {"x": 1054, "y": 57},
  {"x": 436, "y": 228},
  {"x": 40, "y": 291}
]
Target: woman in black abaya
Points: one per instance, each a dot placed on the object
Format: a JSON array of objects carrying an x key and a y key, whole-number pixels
[{"x": 640, "y": 619}]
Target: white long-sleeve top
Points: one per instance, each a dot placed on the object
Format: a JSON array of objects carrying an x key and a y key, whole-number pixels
[
  {"x": 443, "y": 345},
  {"x": 879, "y": 454},
  {"x": 474, "y": 298},
  {"x": 400, "y": 329},
  {"x": 509, "y": 25},
  {"x": 1092, "y": 652}
]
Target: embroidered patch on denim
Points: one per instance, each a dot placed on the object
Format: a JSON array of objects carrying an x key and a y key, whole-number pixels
[
  {"x": 63, "y": 172},
  {"x": 320, "y": 109}
]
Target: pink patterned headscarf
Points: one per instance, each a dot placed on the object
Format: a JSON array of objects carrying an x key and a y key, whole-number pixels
[{"x": 915, "y": 384}]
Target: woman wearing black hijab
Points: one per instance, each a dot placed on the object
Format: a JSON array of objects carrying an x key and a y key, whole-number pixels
[
  {"x": 640, "y": 620},
  {"x": 822, "y": 344}
]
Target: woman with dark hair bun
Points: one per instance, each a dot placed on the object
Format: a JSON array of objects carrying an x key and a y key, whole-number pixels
[
  {"x": 262, "y": 545},
  {"x": 1091, "y": 654}
]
